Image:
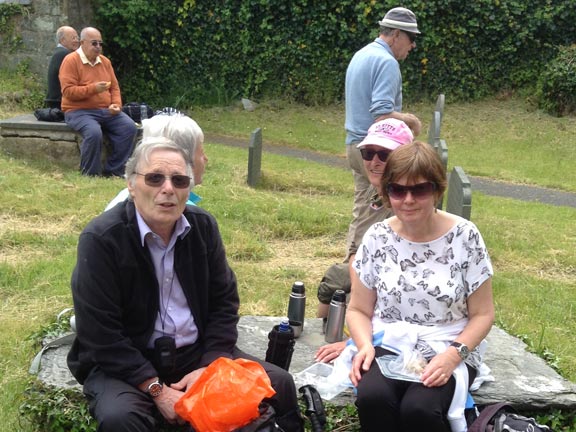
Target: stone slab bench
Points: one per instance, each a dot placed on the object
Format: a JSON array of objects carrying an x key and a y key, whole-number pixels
[
  {"x": 26, "y": 137},
  {"x": 521, "y": 378}
]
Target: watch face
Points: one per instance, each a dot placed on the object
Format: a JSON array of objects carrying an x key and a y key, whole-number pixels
[
  {"x": 462, "y": 349},
  {"x": 155, "y": 389}
]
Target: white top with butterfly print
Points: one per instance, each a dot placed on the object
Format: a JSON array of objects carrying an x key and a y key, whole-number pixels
[{"x": 423, "y": 283}]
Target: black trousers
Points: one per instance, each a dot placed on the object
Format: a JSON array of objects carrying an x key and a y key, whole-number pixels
[
  {"x": 403, "y": 406},
  {"x": 120, "y": 407}
]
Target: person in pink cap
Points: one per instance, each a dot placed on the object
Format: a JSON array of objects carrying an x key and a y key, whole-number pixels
[{"x": 383, "y": 137}]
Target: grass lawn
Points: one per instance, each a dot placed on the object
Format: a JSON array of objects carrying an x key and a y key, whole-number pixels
[{"x": 293, "y": 225}]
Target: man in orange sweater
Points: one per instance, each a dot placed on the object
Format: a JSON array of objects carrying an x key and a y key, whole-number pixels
[{"x": 92, "y": 105}]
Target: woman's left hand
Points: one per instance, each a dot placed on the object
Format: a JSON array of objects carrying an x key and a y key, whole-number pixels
[{"x": 439, "y": 370}]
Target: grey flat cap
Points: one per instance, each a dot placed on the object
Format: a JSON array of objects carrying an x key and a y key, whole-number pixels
[{"x": 400, "y": 18}]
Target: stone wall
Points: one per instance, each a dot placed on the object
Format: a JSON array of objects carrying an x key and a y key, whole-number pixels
[{"x": 37, "y": 30}]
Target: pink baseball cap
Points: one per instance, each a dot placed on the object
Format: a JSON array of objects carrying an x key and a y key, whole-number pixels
[{"x": 389, "y": 133}]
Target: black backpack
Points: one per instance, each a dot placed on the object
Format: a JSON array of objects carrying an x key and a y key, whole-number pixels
[
  {"x": 265, "y": 423},
  {"x": 134, "y": 111},
  {"x": 501, "y": 417}
]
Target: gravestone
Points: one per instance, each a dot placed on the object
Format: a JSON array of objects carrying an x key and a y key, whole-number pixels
[
  {"x": 255, "y": 157},
  {"x": 459, "y": 200},
  {"x": 434, "y": 131}
]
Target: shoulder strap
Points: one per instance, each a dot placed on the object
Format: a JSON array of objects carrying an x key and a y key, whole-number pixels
[{"x": 486, "y": 415}]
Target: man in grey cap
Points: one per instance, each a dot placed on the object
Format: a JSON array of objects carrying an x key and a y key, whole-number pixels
[{"x": 373, "y": 93}]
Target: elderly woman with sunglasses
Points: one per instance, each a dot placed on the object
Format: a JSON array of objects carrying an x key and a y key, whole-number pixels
[{"x": 421, "y": 304}]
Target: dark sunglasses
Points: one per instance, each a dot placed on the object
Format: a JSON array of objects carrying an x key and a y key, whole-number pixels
[
  {"x": 418, "y": 191},
  {"x": 368, "y": 154},
  {"x": 96, "y": 43},
  {"x": 411, "y": 36},
  {"x": 179, "y": 181}
]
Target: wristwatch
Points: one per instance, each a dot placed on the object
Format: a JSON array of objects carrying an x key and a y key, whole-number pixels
[
  {"x": 155, "y": 388},
  {"x": 462, "y": 349}
]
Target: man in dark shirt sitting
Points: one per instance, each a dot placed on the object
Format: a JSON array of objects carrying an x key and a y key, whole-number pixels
[
  {"x": 68, "y": 41},
  {"x": 156, "y": 301}
]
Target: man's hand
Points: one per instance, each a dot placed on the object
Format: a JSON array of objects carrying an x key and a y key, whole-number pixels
[
  {"x": 165, "y": 404},
  {"x": 114, "y": 109},
  {"x": 186, "y": 382},
  {"x": 102, "y": 86},
  {"x": 413, "y": 123}
]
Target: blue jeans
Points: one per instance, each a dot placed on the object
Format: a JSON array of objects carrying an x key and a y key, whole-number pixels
[{"x": 91, "y": 124}]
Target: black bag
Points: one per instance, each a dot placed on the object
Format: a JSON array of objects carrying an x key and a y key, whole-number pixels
[
  {"x": 265, "y": 423},
  {"x": 501, "y": 417},
  {"x": 133, "y": 110},
  {"x": 49, "y": 114}
]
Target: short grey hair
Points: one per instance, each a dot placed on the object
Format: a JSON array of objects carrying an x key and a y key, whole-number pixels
[
  {"x": 143, "y": 152},
  {"x": 386, "y": 31},
  {"x": 179, "y": 128}
]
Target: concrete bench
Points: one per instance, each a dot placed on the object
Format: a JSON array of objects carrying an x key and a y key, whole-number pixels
[{"x": 521, "y": 377}]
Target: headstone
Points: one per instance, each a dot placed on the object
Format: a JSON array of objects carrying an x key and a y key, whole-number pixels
[
  {"x": 440, "y": 105},
  {"x": 459, "y": 200},
  {"x": 434, "y": 131},
  {"x": 442, "y": 151},
  {"x": 254, "y": 157}
]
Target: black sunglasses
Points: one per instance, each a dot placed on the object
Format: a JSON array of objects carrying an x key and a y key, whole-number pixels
[
  {"x": 368, "y": 154},
  {"x": 96, "y": 43},
  {"x": 411, "y": 36},
  {"x": 179, "y": 181},
  {"x": 418, "y": 191}
]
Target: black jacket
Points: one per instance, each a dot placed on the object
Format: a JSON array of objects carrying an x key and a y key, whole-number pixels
[
  {"x": 116, "y": 297},
  {"x": 54, "y": 95}
]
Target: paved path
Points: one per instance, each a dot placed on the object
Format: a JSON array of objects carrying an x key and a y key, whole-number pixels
[{"x": 487, "y": 186}]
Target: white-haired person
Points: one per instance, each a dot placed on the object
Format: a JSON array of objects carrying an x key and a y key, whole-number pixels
[{"x": 187, "y": 134}]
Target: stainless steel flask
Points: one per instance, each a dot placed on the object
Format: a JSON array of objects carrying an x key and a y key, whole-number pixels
[
  {"x": 297, "y": 307},
  {"x": 336, "y": 317}
]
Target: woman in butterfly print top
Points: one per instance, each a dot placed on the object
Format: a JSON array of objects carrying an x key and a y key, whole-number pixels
[{"x": 421, "y": 267}]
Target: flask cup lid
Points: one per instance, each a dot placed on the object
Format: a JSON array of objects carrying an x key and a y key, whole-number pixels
[
  {"x": 298, "y": 287},
  {"x": 339, "y": 296}
]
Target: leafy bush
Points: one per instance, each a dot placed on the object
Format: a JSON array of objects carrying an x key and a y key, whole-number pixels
[
  {"x": 194, "y": 52},
  {"x": 556, "y": 92}
]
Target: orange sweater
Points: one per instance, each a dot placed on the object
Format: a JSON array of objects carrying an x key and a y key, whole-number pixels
[{"x": 78, "y": 83}]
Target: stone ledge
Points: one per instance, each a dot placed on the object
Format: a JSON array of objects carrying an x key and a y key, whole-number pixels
[
  {"x": 26, "y": 137},
  {"x": 29, "y": 122},
  {"x": 522, "y": 378}
]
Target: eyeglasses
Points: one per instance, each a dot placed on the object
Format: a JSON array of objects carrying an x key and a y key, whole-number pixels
[
  {"x": 411, "y": 36},
  {"x": 368, "y": 154},
  {"x": 96, "y": 43},
  {"x": 418, "y": 191},
  {"x": 179, "y": 181}
]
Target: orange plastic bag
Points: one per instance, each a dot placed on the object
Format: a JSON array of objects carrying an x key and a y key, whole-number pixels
[{"x": 226, "y": 396}]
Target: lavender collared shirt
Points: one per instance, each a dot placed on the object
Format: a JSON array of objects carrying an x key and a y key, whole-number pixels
[{"x": 174, "y": 317}]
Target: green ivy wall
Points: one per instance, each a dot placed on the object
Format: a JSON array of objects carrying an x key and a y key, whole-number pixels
[{"x": 186, "y": 52}]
